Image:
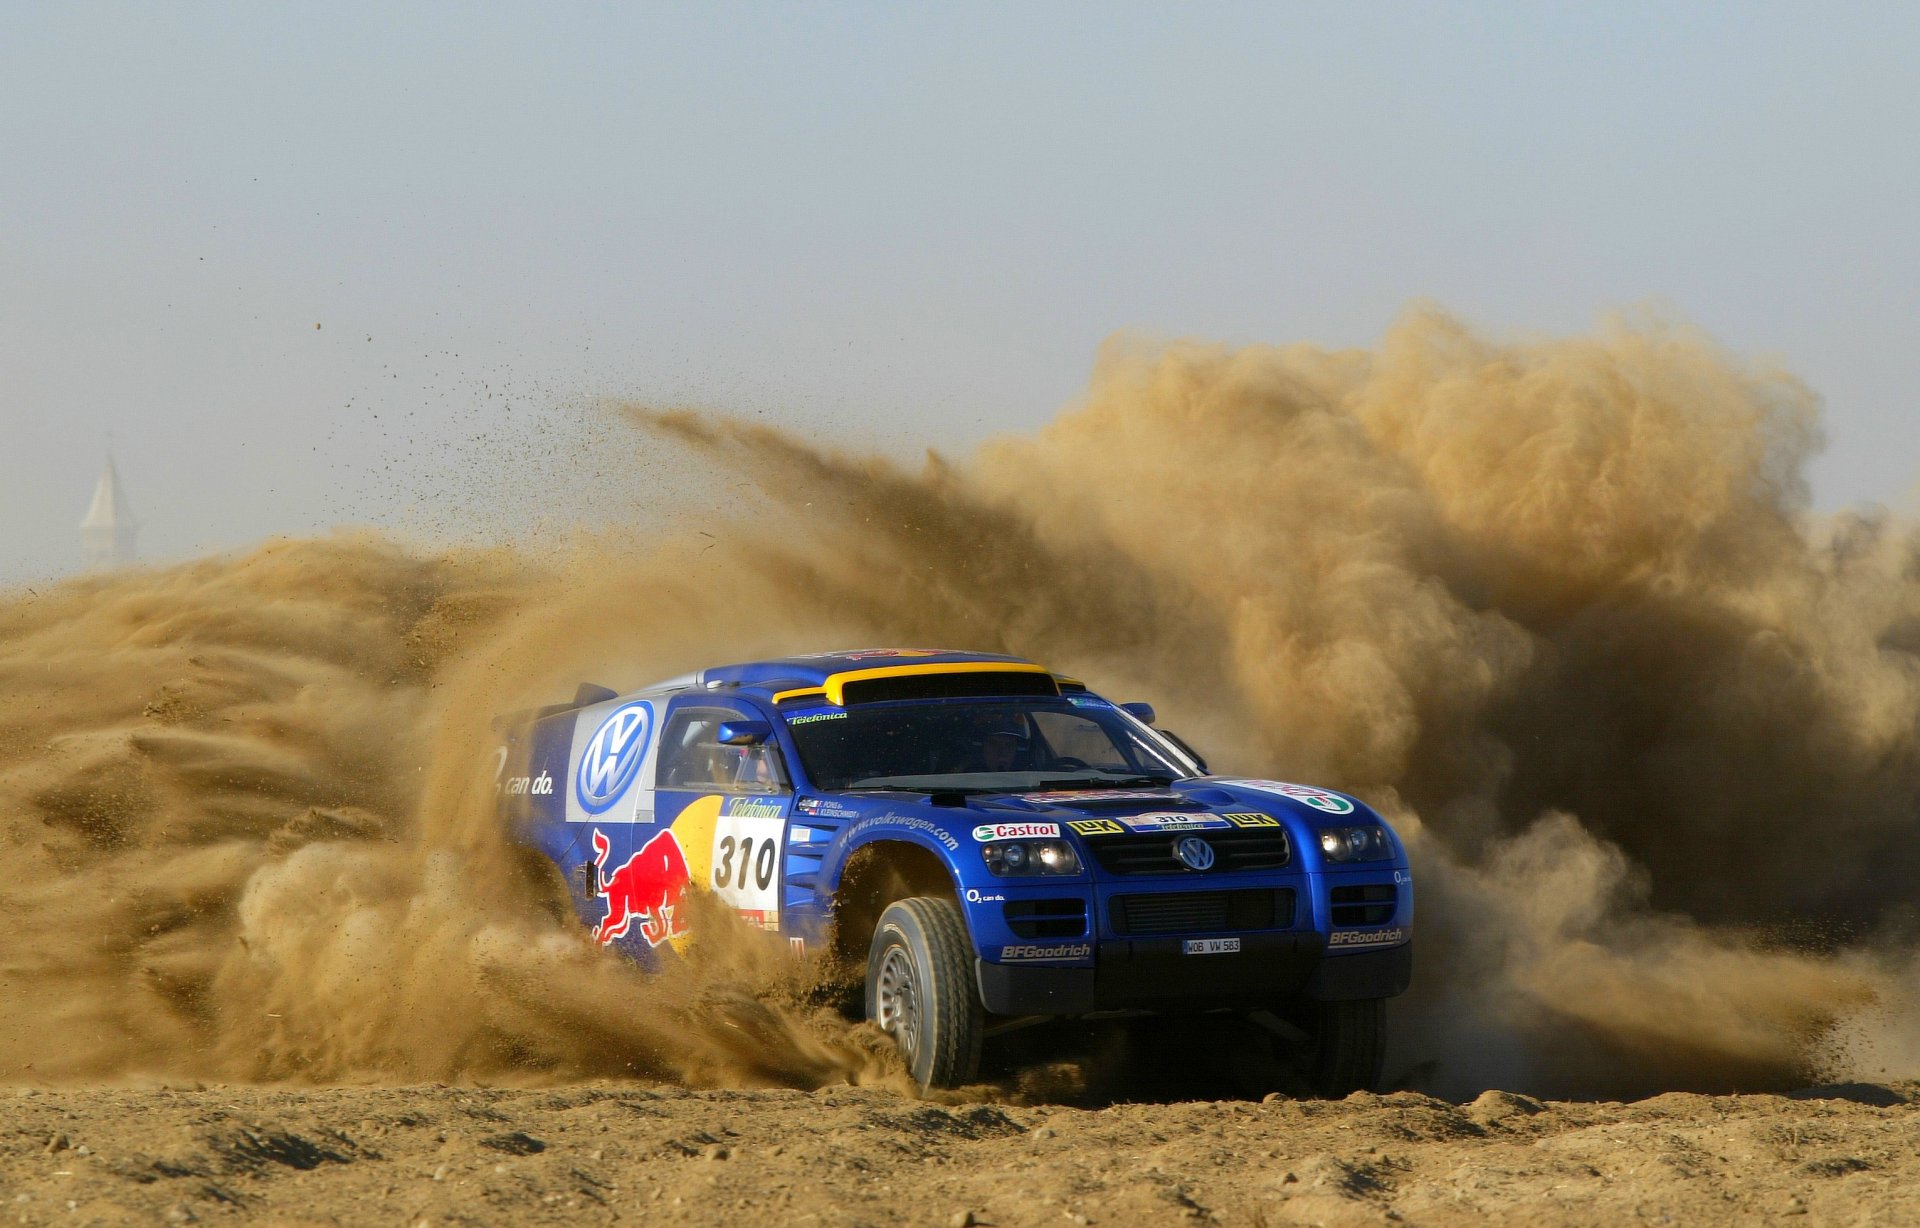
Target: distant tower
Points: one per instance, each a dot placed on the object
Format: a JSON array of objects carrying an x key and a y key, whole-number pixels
[{"x": 109, "y": 528}]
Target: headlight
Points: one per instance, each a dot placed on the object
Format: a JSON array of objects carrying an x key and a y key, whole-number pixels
[
  {"x": 1355, "y": 844},
  {"x": 1020, "y": 858}
]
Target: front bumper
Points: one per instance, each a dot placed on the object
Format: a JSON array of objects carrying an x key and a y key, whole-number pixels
[{"x": 1156, "y": 974}]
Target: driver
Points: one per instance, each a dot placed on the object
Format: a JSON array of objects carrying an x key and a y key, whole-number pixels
[
  {"x": 1003, "y": 749},
  {"x": 757, "y": 771}
]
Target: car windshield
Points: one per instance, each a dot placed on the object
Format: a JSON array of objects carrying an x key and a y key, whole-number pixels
[{"x": 979, "y": 746}]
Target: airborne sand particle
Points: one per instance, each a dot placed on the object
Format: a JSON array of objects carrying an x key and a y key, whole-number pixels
[{"x": 1557, "y": 606}]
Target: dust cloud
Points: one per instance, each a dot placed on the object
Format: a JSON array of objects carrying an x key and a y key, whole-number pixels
[
  {"x": 1555, "y": 606},
  {"x": 246, "y": 807}
]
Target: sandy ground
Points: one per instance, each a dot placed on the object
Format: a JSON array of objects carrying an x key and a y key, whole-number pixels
[{"x": 448, "y": 1155}]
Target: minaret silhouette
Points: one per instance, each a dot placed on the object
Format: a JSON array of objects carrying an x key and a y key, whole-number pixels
[{"x": 108, "y": 530}]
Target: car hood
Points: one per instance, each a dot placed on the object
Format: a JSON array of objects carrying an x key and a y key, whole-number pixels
[
  {"x": 1202, "y": 804},
  {"x": 1191, "y": 799}
]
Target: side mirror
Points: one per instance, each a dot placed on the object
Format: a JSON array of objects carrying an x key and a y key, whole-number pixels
[
  {"x": 745, "y": 733},
  {"x": 1141, "y": 712}
]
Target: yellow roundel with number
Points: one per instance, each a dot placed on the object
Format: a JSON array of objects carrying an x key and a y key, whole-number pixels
[
  {"x": 733, "y": 847},
  {"x": 693, "y": 828}
]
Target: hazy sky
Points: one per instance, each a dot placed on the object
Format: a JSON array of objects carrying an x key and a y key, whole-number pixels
[{"x": 911, "y": 224}]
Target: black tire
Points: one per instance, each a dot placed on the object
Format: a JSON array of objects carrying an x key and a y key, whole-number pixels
[
  {"x": 1349, "y": 1046},
  {"x": 920, "y": 990}
]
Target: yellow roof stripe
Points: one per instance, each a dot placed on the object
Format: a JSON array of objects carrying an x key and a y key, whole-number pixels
[
  {"x": 835, "y": 688},
  {"x": 781, "y": 697}
]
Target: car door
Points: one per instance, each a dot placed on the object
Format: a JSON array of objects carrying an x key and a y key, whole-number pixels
[{"x": 726, "y": 806}]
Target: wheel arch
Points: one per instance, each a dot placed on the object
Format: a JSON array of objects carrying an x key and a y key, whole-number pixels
[{"x": 876, "y": 874}]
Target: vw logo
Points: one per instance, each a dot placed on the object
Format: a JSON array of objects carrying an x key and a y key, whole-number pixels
[
  {"x": 612, "y": 756},
  {"x": 1193, "y": 852}
]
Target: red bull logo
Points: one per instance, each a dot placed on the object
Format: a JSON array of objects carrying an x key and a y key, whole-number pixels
[{"x": 649, "y": 887}]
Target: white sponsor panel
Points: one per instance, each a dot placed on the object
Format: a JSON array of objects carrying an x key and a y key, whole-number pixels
[
  {"x": 1170, "y": 820},
  {"x": 596, "y": 761},
  {"x": 611, "y": 758},
  {"x": 757, "y": 807},
  {"x": 1016, "y": 831},
  {"x": 746, "y": 866},
  {"x": 1210, "y": 946}
]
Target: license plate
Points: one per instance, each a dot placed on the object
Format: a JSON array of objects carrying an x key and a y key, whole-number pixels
[{"x": 1211, "y": 946}]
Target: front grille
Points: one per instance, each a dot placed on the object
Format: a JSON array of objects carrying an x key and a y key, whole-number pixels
[
  {"x": 1203, "y": 912},
  {"x": 1259, "y": 848},
  {"x": 1047, "y": 918},
  {"x": 1372, "y": 904}
]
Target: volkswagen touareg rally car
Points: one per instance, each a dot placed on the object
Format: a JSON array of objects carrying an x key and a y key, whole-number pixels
[{"x": 993, "y": 841}]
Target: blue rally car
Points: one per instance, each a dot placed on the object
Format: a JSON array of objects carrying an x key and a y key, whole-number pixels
[{"x": 991, "y": 840}]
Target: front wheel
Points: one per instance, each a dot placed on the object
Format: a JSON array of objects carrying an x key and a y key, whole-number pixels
[
  {"x": 920, "y": 990},
  {"x": 1348, "y": 1046}
]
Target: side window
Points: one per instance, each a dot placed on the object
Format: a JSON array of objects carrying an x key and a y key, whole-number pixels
[
  {"x": 1075, "y": 737},
  {"x": 761, "y": 769},
  {"x": 692, "y": 757}
]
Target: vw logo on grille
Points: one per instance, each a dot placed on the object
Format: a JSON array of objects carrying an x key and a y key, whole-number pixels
[{"x": 1193, "y": 852}]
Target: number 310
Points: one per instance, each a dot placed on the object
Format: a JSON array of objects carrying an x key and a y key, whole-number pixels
[{"x": 761, "y": 864}]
